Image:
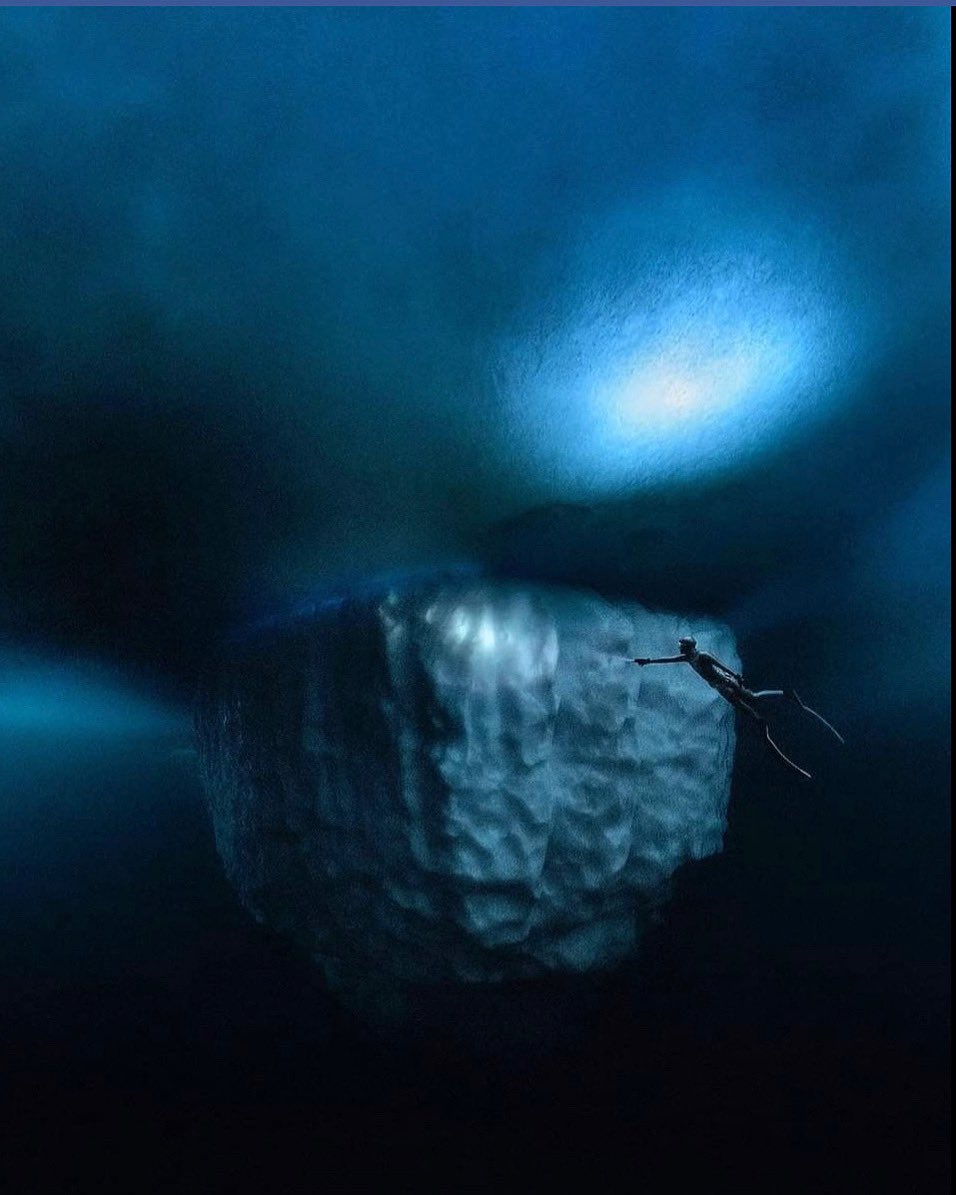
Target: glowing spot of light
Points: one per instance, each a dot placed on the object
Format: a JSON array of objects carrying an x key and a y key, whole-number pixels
[
  {"x": 486, "y": 634},
  {"x": 670, "y": 390},
  {"x": 664, "y": 366}
]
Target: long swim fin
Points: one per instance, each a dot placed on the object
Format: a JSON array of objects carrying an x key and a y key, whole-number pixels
[
  {"x": 795, "y": 696},
  {"x": 789, "y": 762}
]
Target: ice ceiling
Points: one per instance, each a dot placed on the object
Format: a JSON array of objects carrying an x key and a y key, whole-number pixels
[
  {"x": 684, "y": 360},
  {"x": 294, "y": 295}
]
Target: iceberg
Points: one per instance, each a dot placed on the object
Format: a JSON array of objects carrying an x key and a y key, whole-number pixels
[{"x": 464, "y": 780}]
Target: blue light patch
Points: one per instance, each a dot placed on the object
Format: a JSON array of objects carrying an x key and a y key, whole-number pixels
[
  {"x": 683, "y": 357},
  {"x": 40, "y": 694}
]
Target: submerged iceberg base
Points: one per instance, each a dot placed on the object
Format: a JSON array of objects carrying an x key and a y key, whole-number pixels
[{"x": 464, "y": 781}]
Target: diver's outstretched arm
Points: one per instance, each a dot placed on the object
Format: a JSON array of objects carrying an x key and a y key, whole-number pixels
[
  {"x": 788, "y": 762},
  {"x": 663, "y": 660},
  {"x": 793, "y": 695}
]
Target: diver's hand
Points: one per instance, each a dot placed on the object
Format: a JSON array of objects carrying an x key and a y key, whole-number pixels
[{"x": 640, "y": 662}]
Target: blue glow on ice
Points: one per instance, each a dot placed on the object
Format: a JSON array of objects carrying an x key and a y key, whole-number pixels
[
  {"x": 333, "y": 595},
  {"x": 685, "y": 358}
]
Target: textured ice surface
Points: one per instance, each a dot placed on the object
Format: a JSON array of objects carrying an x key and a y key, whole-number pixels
[{"x": 465, "y": 781}]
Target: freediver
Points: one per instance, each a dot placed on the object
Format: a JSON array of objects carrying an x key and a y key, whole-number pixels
[{"x": 730, "y": 685}]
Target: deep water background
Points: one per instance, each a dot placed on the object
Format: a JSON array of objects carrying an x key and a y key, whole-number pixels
[{"x": 291, "y": 297}]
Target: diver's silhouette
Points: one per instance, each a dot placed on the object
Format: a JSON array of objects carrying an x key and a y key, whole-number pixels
[{"x": 730, "y": 685}]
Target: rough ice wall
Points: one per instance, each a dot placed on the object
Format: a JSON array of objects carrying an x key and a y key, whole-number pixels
[{"x": 465, "y": 781}]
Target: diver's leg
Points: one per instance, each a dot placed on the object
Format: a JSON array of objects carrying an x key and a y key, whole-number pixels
[
  {"x": 788, "y": 762},
  {"x": 793, "y": 695},
  {"x": 735, "y": 697}
]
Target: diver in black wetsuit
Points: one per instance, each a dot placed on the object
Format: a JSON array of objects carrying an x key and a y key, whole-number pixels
[{"x": 730, "y": 685}]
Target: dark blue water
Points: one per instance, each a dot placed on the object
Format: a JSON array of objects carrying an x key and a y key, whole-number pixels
[
  {"x": 654, "y": 300},
  {"x": 786, "y": 1023}
]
